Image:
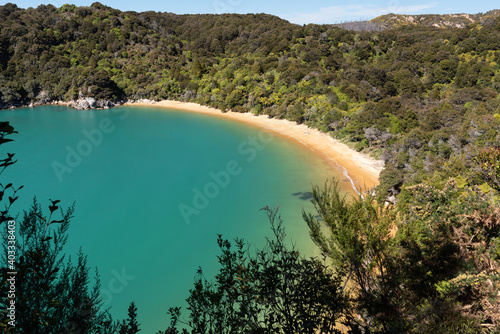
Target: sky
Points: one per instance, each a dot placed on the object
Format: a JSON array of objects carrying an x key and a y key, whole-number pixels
[{"x": 300, "y": 12}]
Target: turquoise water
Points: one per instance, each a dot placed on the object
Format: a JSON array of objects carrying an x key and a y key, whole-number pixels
[{"x": 153, "y": 188}]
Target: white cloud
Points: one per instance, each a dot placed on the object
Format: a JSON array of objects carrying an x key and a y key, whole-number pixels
[{"x": 336, "y": 14}]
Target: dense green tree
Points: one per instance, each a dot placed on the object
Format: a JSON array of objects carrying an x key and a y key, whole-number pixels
[
  {"x": 489, "y": 166},
  {"x": 274, "y": 290},
  {"x": 404, "y": 264},
  {"x": 130, "y": 325}
]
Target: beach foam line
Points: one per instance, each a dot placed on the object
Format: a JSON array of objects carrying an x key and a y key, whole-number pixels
[
  {"x": 358, "y": 168},
  {"x": 325, "y": 157}
]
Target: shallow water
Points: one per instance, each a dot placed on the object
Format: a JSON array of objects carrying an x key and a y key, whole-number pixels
[{"x": 153, "y": 188}]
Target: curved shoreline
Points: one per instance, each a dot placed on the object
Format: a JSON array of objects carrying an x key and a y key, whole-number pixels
[{"x": 361, "y": 170}]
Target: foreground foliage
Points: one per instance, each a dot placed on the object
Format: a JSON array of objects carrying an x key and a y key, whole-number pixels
[
  {"x": 52, "y": 293},
  {"x": 274, "y": 290},
  {"x": 431, "y": 264}
]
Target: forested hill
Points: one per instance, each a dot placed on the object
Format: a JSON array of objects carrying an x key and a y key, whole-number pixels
[{"x": 424, "y": 99}]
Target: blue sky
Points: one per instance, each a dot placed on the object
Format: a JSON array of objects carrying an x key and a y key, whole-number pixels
[{"x": 300, "y": 12}]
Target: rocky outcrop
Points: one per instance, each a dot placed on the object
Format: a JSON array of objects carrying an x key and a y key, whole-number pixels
[
  {"x": 84, "y": 103},
  {"x": 142, "y": 101},
  {"x": 436, "y": 20},
  {"x": 80, "y": 104},
  {"x": 91, "y": 103}
]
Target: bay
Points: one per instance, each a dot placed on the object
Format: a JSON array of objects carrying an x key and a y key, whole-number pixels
[{"x": 153, "y": 188}]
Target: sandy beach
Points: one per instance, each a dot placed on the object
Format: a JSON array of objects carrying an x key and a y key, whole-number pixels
[{"x": 362, "y": 170}]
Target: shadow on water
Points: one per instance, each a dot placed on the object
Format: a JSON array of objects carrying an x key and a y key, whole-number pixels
[{"x": 305, "y": 196}]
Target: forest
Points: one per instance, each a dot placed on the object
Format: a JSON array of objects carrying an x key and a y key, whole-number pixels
[{"x": 421, "y": 255}]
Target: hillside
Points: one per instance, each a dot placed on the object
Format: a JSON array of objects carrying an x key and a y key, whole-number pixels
[
  {"x": 423, "y": 99},
  {"x": 437, "y": 21}
]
